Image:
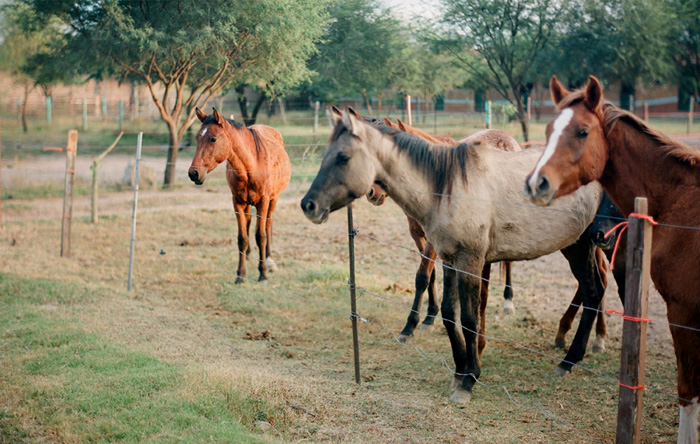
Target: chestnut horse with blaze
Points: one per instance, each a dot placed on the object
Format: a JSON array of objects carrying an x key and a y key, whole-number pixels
[
  {"x": 257, "y": 171},
  {"x": 593, "y": 140}
]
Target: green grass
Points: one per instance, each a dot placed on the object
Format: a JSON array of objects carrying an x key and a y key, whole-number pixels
[{"x": 83, "y": 389}]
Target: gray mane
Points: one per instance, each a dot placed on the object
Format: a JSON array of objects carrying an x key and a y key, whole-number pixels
[{"x": 439, "y": 164}]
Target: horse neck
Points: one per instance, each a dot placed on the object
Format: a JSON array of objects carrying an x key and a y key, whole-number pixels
[
  {"x": 637, "y": 167},
  {"x": 404, "y": 181},
  {"x": 242, "y": 152}
]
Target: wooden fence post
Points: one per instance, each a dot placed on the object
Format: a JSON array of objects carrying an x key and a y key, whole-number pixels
[
  {"x": 85, "y": 115},
  {"x": 71, "y": 151},
  {"x": 408, "y": 108},
  {"x": 316, "y": 106},
  {"x": 646, "y": 111},
  {"x": 1, "y": 226},
  {"x": 133, "y": 210},
  {"x": 691, "y": 110},
  {"x": 94, "y": 167},
  {"x": 634, "y": 330},
  {"x": 353, "y": 302}
]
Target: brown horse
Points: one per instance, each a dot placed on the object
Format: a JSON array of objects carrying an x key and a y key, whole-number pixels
[
  {"x": 467, "y": 200},
  {"x": 257, "y": 171},
  {"x": 592, "y": 140}
]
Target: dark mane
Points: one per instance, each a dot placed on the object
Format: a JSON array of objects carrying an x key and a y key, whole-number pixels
[
  {"x": 673, "y": 148},
  {"x": 439, "y": 164},
  {"x": 239, "y": 126},
  {"x": 611, "y": 114}
]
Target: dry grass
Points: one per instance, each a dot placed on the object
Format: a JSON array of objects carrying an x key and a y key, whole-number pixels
[{"x": 185, "y": 310}]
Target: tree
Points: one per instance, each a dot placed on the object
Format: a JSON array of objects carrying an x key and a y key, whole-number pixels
[
  {"x": 687, "y": 49},
  {"x": 186, "y": 51},
  {"x": 361, "y": 48},
  {"x": 20, "y": 51},
  {"x": 499, "y": 42},
  {"x": 617, "y": 40}
]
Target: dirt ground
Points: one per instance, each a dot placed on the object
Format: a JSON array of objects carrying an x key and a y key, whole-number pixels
[{"x": 305, "y": 359}]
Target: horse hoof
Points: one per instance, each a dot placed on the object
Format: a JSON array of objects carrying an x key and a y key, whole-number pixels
[
  {"x": 271, "y": 265},
  {"x": 508, "y": 307},
  {"x": 460, "y": 396},
  {"x": 558, "y": 371},
  {"x": 558, "y": 344},
  {"x": 262, "y": 280},
  {"x": 404, "y": 338},
  {"x": 240, "y": 280},
  {"x": 598, "y": 345},
  {"x": 456, "y": 382},
  {"x": 426, "y": 327}
]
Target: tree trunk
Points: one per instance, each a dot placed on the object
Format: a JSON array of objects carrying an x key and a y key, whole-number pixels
[
  {"x": 379, "y": 104},
  {"x": 256, "y": 109},
  {"x": 368, "y": 102},
  {"x": 522, "y": 116},
  {"x": 24, "y": 108},
  {"x": 169, "y": 179},
  {"x": 242, "y": 102}
]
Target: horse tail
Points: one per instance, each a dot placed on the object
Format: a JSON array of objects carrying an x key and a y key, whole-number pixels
[{"x": 502, "y": 269}]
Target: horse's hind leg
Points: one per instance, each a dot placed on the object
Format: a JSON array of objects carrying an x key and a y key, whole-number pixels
[
  {"x": 271, "y": 266},
  {"x": 261, "y": 236},
  {"x": 249, "y": 217},
  {"x": 433, "y": 298},
  {"x": 243, "y": 219},
  {"x": 422, "y": 281},
  {"x": 486, "y": 275},
  {"x": 567, "y": 320},
  {"x": 584, "y": 263},
  {"x": 508, "y": 306}
]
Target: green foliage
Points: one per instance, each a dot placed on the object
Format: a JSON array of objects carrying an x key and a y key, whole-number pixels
[{"x": 360, "y": 53}]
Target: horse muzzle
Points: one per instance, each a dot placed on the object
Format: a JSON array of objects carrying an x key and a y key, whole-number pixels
[
  {"x": 195, "y": 177},
  {"x": 542, "y": 194},
  {"x": 313, "y": 211}
]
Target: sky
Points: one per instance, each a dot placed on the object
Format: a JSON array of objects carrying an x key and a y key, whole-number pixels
[{"x": 411, "y": 10}]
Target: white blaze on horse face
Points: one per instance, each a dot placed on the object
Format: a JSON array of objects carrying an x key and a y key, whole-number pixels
[
  {"x": 204, "y": 131},
  {"x": 559, "y": 124},
  {"x": 688, "y": 423}
]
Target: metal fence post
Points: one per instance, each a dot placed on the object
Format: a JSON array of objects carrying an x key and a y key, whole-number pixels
[
  {"x": 133, "y": 209},
  {"x": 85, "y": 116},
  {"x": 408, "y": 108},
  {"x": 316, "y": 107},
  {"x": 353, "y": 302},
  {"x": 634, "y": 330}
]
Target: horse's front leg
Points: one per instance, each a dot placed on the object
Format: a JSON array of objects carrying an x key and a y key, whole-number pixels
[
  {"x": 261, "y": 235},
  {"x": 469, "y": 289},
  {"x": 450, "y": 308},
  {"x": 433, "y": 298},
  {"x": 242, "y": 212},
  {"x": 271, "y": 266}
]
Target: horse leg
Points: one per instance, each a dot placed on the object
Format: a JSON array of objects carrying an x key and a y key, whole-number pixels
[
  {"x": 508, "y": 306},
  {"x": 449, "y": 309},
  {"x": 433, "y": 301},
  {"x": 270, "y": 263},
  {"x": 243, "y": 221},
  {"x": 249, "y": 217},
  {"x": 422, "y": 282},
  {"x": 584, "y": 263},
  {"x": 469, "y": 289},
  {"x": 685, "y": 343},
  {"x": 486, "y": 275},
  {"x": 567, "y": 319},
  {"x": 261, "y": 236}
]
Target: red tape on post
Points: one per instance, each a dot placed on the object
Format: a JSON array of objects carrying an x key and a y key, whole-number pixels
[
  {"x": 632, "y": 387},
  {"x": 624, "y": 226},
  {"x": 53, "y": 148},
  {"x": 627, "y": 318}
]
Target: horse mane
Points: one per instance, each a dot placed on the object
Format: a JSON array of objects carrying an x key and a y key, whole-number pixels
[
  {"x": 239, "y": 126},
  {"x": 440, "y": 164},
  {"x": 673, "y": 148},
  {"x": 611, "y": 114}
]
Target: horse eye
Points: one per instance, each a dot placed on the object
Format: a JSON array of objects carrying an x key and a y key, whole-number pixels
[
  {"x": 582, "y": 134},
  {"x": 342, "y": 159},
  {"x": 212, "y": 140}
]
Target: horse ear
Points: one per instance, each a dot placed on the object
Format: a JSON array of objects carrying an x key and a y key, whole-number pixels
[
  {"x": 352, "y": 122},
  {"x": 557, "y": 89},
  {"x": 388, "y": 122},
  {"x": 402, "y": 126},
  {"x": 215, "y": 114},
  {"x": 200, "y": 115},
  {"x": 594, "y": 93},
  {"x": 354, "y": 113},
  {"x": 334, "y": 115}
]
